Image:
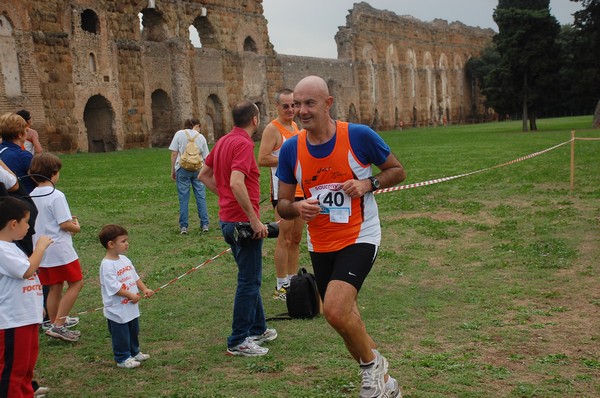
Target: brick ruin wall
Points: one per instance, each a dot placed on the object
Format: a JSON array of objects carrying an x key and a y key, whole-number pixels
[{"x": 94, "y": 81}]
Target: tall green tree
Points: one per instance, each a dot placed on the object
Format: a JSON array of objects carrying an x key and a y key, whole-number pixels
[
  {"x": 529, "y": 57},
  {"x": 583, "y": 55}
]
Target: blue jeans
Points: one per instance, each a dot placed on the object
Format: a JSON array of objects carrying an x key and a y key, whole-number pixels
[
  {"x": 184, "y": 180},
  {"x": 248, "y": 312},
  {"x": 125, "y": 339}
]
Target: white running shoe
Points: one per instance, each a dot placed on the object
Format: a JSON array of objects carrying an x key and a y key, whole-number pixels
[
  {"x": 129, "y": 363},
  {"x": 373, "y": 384},
  {"x": 247, "y": 348},
  {"x": 268, "y": 335}
]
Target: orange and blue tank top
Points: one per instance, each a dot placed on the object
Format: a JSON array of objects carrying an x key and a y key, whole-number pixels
[
  {"x": 343, "y": 221},
  {"x": 285, "y": 135}
]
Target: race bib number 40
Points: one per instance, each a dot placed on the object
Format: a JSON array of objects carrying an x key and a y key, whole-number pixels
[{"x": 333, "y": 201}]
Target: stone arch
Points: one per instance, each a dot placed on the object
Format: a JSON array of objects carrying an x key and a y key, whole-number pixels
[
  {"x": 352, "y": 114},
  {"x": 206, "y": 31},
  {"x": 250, "y": 44},
  {"x": 370, "y": 58},
  {"x": 394, "y": 82},
  {"x": 9, "y": 61},
  {"x": 430, "y": 95},
  {"x": 459, "y": 85},
  {"x": 264, "y": 116},
  {"x": 154, "y": 26},
  {"x": 376, "y": 124},
  {"x": 162, "y": 119},
  {"x": 443, "y": 94},
  {"x": 99, "y": 119},
  {"x": 90, "y": 22},
  {"x": 214, "y": 118},
  {"x": 334, "y": 88},
  {"x": 93, "y": 65},
  {"x": 411, "y": 60}
]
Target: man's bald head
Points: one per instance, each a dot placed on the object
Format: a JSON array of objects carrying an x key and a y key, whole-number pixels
[{"x": 315, "y": 84}]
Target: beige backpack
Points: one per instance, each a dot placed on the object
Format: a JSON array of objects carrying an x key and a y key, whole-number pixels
[{"x": 191, "y": 159}]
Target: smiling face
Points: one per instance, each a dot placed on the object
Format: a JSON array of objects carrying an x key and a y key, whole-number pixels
[
  {"x": 312, "y": 100},
  {"x": 285, "y": 107}
]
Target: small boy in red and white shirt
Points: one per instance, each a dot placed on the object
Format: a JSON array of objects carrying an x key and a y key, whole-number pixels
[{"x": 21, "y": 300}]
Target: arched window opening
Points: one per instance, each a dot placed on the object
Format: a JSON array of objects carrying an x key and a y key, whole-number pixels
[
  {"x": 195, "y": 37},
  {"x": 92, "y": 62},
  {"x": 99, "y": 117},
  {"x": 250, "y": 45},
  {"x": 152, "y": 25},
  {"x": 214, "y": 125},
  {"x": 352, "y": 114},
  {"x": 90, "y": 22},
  {"x": 207, "y": 35},
  {"x": 9, "y": 61},
  {"x": 162, "y": 119}
]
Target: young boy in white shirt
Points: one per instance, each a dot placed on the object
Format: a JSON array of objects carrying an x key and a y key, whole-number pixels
[
  {"x": 61, "y": 262},
  {"x": 120, "y": 286},
  {"x": 21, "y": 300}
]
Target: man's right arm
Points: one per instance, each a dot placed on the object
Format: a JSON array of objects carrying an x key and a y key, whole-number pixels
[
  {"x": 269, "y": 141},
  {"x": 174, "y": 148},
  {"x": 207, "y": 177},
  {"x": 289, "y": 209},
  {"x": 173, "y": 160}
]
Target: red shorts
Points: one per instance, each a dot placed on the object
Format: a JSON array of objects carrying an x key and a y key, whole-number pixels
[{"x": 63, "y": 273}]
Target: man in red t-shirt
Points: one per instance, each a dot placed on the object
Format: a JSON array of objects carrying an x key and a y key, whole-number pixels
[{"x": 230, "y": 171}]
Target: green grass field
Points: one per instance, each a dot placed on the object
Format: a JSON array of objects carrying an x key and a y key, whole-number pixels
[{"x": 485, "y": 286}]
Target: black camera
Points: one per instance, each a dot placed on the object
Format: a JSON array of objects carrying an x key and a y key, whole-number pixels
[{"x": 243, "y": 232}]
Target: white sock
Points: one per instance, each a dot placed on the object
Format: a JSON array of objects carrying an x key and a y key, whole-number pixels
[
  {"x": 281, "y": 282},
  {"x": 389, "y": 384},
  {"x": 289, "y": 278}
]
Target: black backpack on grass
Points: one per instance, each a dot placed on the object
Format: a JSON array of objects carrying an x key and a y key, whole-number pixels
[{"x": 302, "y": 297}]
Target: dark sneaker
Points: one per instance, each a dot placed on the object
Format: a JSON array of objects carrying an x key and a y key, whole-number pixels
[
  {"x": 373, "y": 384},
  {"x": 62, "y": 333},
  {"x": 268, "y": 335},
  {"x": 205, "y": 228},
  {"x": 183, "y": 231},
  {"x": 247, "y": 348}
]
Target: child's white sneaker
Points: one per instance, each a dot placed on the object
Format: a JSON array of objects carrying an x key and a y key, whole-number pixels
[
  {"x": 140, "y": 357},
  {"x": 129, "y": 363}
]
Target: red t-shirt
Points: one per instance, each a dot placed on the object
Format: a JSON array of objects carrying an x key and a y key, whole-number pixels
[{"x": 234, "y": 151}]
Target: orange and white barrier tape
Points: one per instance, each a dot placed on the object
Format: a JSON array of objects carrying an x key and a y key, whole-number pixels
[
  {"x": 379, "y": 191},
  {"x": 444, "y": 179}
]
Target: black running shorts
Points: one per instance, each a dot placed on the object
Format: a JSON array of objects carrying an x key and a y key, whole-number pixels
[{"x": 351, "y": 264}]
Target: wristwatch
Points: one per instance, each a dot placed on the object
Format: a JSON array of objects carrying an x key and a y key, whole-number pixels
[{"x": 374, "y": 183}]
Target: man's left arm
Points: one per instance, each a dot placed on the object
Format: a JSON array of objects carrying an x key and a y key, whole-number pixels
[
  {"x": 392, "y": 173},
  {"x": 238, "y": 187}
]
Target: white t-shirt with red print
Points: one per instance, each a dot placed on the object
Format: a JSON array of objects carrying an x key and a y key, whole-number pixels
[
  {"x": 114, "y": 275},
  {"x": 21, "y": 300}
]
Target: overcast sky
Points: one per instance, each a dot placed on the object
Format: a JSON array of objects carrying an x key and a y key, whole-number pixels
[{"x": 308, "y": 27}]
